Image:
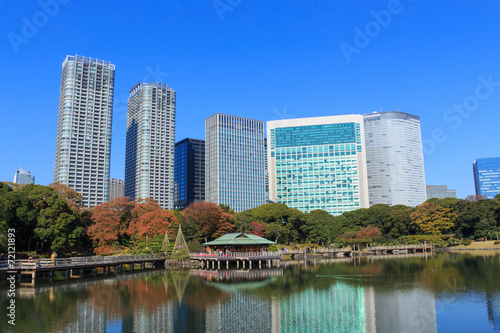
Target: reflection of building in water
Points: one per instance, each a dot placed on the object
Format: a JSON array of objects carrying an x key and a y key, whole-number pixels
[
  {"x": 399, "y": 310},
  {"x": 340, "y": 308},
  {"x": 88, "y": 320},
  {"x": 241, "y": 313},
  {"x": 159, "y": 320},
  {"x": 493, "y": 302}
]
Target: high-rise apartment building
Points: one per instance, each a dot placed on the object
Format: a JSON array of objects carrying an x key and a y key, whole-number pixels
[
  {"x": 116, "y": 188},
  {"x": 23, "y": 177},
  {"x": 234, "y": 161},
  {"x": 318, "y": 163},
  {"x": 149, "y": 160},
  {"x": 394, "y": 159},
  {"x": 189, "y": 172},
  {"x": 83, "y": 147},
  {"x": 440, "y": 192},
  {"x": 487, "y": 176}
]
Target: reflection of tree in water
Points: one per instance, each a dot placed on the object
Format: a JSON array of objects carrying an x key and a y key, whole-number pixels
[
  {"x": 200, "y": 296},
  {"x": 40, "y": 314},
  {"x": 123, "y": 298}
]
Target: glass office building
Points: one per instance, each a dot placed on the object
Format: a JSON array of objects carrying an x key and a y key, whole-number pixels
[
  {"x": 318, "y": 163},
  {"x": 440, "y": 192},
  {"x": 234, "y": 162},
  {"x": 150, "y": 148},
  {"x": 189, "y": 172},
  {"x": 83, "y": 147},
  {"x": 487, "y": 176},
  {"x": 23, "y": 177},
  {"x": 394, "y": 159}
]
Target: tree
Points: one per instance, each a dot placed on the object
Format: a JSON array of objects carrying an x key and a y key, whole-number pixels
[
  {"x": 153, "y": 223},
  {"x": 473, "y": 197},
  {"x": 369, "y": 232},
  {"x": 317, "y": 227},
  {"x": 110, "y": 223},
  {"x": 211, "y": 219},
  {"x": 257, "y": 229},
  {"x": 433, "y": 219},
  {"x": 58, "y": 226},
  {"x": 72, "y": 197}
]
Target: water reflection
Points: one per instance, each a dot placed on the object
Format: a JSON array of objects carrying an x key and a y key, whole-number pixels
[{"x": 408, "y": 293}]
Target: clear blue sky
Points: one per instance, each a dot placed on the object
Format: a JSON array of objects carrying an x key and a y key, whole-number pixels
[{"x": 265, "y": 60}]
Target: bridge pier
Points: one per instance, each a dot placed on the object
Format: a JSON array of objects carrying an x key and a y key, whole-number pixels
[
  {"x": 249, "y": 264},
  {"x": 243, "y": 261},
  {"x": 218, "y": 264},
  {"x": 260, "y": 263},
  {"x": 227, "y": 264}
]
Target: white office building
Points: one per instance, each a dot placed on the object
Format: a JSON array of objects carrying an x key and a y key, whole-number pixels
[
  {"x": 150, "y": 149},
  {"x": 234, "y": 162},
  {"x": 318, "y": 163},
  {"x": 83, "y": 147},
  {"x": 394, "y": 159}
]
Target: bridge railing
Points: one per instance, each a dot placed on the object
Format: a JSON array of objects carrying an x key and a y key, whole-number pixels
[
  {"x": 398, "y": 247},
  {"x": 202, "y": 255},
  {"x": 76, "y": 261}
]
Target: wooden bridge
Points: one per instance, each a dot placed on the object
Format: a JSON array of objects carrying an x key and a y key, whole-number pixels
[
  {"x": 342, "y": 252},
  {"x": 75, "y": 266},
  {"x": 238, "y": 257}
]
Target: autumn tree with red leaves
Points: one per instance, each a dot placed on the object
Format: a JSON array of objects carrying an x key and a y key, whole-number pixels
[
  {"x": 257, "y": 229},
  {"x": 153, "y": 223},
  {"x": 211, "y": 219},
  {"x": 110, "y": 221}
]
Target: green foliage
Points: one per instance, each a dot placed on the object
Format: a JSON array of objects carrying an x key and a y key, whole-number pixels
[
  {"x": 467, "y": 242},
  {"x": 195, "y": 246},
  {"x": 273, "y": 248}
]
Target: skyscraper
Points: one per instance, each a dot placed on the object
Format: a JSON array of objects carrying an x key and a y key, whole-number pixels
[
  {"x": 149, "y": 160},
  {"x": 394, "y": 159},
  {"x": 487, "y": 176},
  {"x": 318, "y": 163},
  {"x": 234, "y": 161},
  {"x": 116, "y": 188},
  {"x": 83, "y": 147},
  {"x": 23, "y": 177},
  {"x": 189, "y": 172}
]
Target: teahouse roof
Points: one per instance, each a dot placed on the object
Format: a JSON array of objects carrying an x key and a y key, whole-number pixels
[{"x": 239, "y": 238}]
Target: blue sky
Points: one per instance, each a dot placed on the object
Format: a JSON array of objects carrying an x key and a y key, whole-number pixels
[{"x": 265, "y": 60}]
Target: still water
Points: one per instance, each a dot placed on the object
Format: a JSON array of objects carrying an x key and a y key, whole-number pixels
[{"x": 406, "y": 293}]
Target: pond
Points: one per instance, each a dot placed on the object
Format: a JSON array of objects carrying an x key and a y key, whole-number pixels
[{"x": 430, "y": 292}]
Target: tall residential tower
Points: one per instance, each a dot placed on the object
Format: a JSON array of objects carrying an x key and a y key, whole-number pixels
[
  {"x": 318, "y": 163},
  {"x": 83, "y": 145},
  {"x": 394, "y": 159},
  {"x": 234, "y": 162},
  {"x": 149, "y": 160}
]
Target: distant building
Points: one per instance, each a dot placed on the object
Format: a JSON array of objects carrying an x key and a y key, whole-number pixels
[
  {"x": 394, "y": 159},
  {"x": 318, "y": 163},
  {"x": 150, "y": 148},
  {"x": 23, "y": 177},
  {"x": 83, "y": 147},
  {"x": 440, "y": 192},
  {"x": 487, "y": 176},
  {"x": 189, "y": 172},
  {"x": 116, "y": 188},
  {"x": 234, "y": 162}
]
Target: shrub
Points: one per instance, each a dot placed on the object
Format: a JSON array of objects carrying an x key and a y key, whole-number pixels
[
  {"x": 467, "y": 242},
  {"x": 273, "y": 248},
  {"x": 496, "y": 242}
]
